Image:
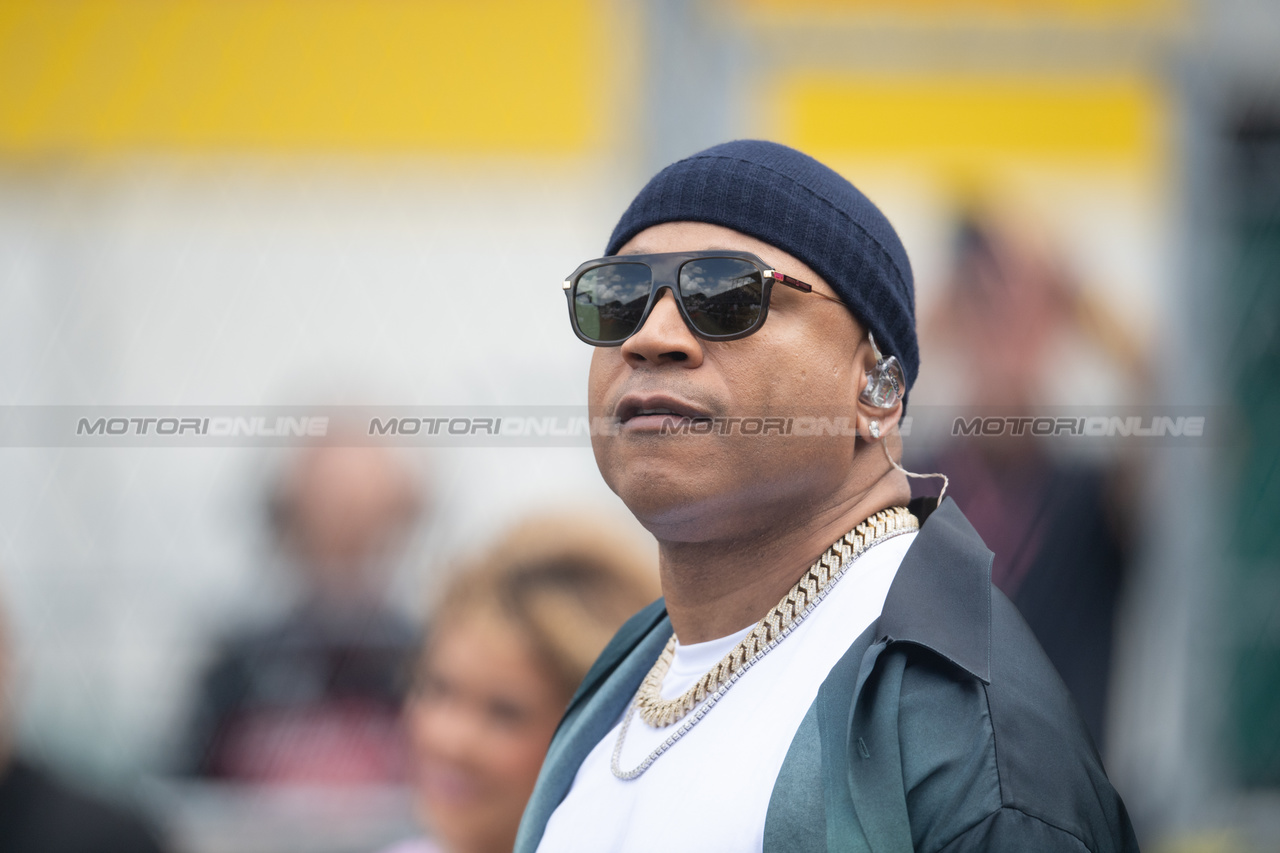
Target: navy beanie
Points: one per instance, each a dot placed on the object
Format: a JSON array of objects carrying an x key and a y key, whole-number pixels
[{"x": 791, "y": 201}]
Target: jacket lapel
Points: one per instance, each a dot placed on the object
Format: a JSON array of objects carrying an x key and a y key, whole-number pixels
[
  {"x": 845, "y": 832},
  {"x": 940, "y": 599}
]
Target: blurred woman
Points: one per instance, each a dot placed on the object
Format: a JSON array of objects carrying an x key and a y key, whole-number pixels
[{"x": 509, "y": 641}]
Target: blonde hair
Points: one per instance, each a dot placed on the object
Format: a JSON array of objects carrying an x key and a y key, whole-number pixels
[{"x": 565, "y": 583}]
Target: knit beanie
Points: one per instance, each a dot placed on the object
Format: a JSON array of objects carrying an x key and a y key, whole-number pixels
[{"x": 791, "y": 201}]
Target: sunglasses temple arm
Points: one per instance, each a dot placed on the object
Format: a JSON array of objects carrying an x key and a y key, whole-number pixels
[{"x": 798, "y": 285}]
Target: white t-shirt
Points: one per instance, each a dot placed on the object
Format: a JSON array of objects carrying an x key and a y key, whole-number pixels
[{"x": 710, "y": 791}]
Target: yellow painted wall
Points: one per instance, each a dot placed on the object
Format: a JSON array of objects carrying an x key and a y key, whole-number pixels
[
  {"x": 973, "y": 123},
  {"x": 465, "y": 76}
]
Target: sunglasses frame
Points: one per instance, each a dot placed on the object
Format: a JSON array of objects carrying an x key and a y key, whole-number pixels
[{"x": 664, "y": 269}]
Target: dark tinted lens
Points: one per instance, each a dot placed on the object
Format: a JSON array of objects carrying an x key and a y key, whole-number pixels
[
  {"x": 608, "y": 300},
  {"x": 722, "y": 296}
]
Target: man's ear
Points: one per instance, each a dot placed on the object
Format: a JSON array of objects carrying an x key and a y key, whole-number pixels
[{"x": 887, "y": 416}]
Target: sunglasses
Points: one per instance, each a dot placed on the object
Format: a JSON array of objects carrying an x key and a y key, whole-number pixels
[{"x": 721, "y": 295}]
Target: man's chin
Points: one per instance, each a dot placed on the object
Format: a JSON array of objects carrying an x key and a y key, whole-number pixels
[
  {"x": 653, "y": 485},
  {"x": 648, "y": 461},
  {"x": 683, "y": 508}
]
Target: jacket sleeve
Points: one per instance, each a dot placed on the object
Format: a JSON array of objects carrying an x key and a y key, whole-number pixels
[{"x": 1008, "y": 830}]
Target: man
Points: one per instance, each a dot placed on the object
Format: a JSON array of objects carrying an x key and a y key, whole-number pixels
[{"x": 756, "y": 334}]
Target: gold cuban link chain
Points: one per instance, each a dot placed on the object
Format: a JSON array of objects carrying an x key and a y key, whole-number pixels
[{"x": 659, "y": 712}]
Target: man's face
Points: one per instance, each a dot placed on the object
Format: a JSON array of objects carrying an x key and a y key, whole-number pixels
[{"x": 801, "y": 363}]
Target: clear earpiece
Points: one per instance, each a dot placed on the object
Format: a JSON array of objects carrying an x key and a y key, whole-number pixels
[{"x": 885, "y": 381}]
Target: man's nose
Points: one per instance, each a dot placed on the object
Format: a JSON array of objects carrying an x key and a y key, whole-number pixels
[{"x": 664, "y": 337}]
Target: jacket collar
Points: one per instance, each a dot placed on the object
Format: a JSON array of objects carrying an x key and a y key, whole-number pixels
[
  {"x": 941, "y": 596},
  {"x": 940, "y": 599}
]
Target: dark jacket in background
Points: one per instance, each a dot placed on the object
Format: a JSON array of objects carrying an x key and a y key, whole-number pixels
[
  {"x": 313, "y": 699},
  {"x": 39, "y": 814}
]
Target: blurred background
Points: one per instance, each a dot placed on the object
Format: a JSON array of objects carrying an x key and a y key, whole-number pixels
[{"x": 318, "y": 202}]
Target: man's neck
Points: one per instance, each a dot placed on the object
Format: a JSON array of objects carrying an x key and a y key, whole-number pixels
[{"x": 718, "y": 587}]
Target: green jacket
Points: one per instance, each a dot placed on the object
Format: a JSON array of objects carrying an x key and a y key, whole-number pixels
[{"x": 943, "y": 727}]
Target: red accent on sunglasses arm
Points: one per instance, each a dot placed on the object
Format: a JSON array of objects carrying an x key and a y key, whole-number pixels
[
  {"x": 788, "y": 280},
  {"x": 799, "y": 285}
]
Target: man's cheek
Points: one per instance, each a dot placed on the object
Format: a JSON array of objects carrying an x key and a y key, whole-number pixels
[
  {"x": 605, "y": 363},
  {"x": 600, "y": 448},
  {"x": 619, "y": 466}
]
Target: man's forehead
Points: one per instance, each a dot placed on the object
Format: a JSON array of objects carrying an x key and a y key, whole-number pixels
[
  {"x": 692, "y": 236},
  {"x": 641, "y": 250}
]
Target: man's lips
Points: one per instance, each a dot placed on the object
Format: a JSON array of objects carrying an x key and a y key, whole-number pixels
[{"x": 639, "y": 411}]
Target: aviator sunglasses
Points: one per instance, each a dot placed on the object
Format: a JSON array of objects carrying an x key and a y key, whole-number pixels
[{"x": 722, "y": 295}]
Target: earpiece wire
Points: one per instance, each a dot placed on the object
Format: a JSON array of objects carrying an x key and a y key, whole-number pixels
[{"x": 945, "y": 482}]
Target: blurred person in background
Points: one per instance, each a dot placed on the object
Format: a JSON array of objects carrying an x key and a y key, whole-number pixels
[
  {"x": 315, "y": 697},
  {"x": 39, "y": 813},
  {"x": 1010, "y": 318},
  {"x": 509, "y": 642}
]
